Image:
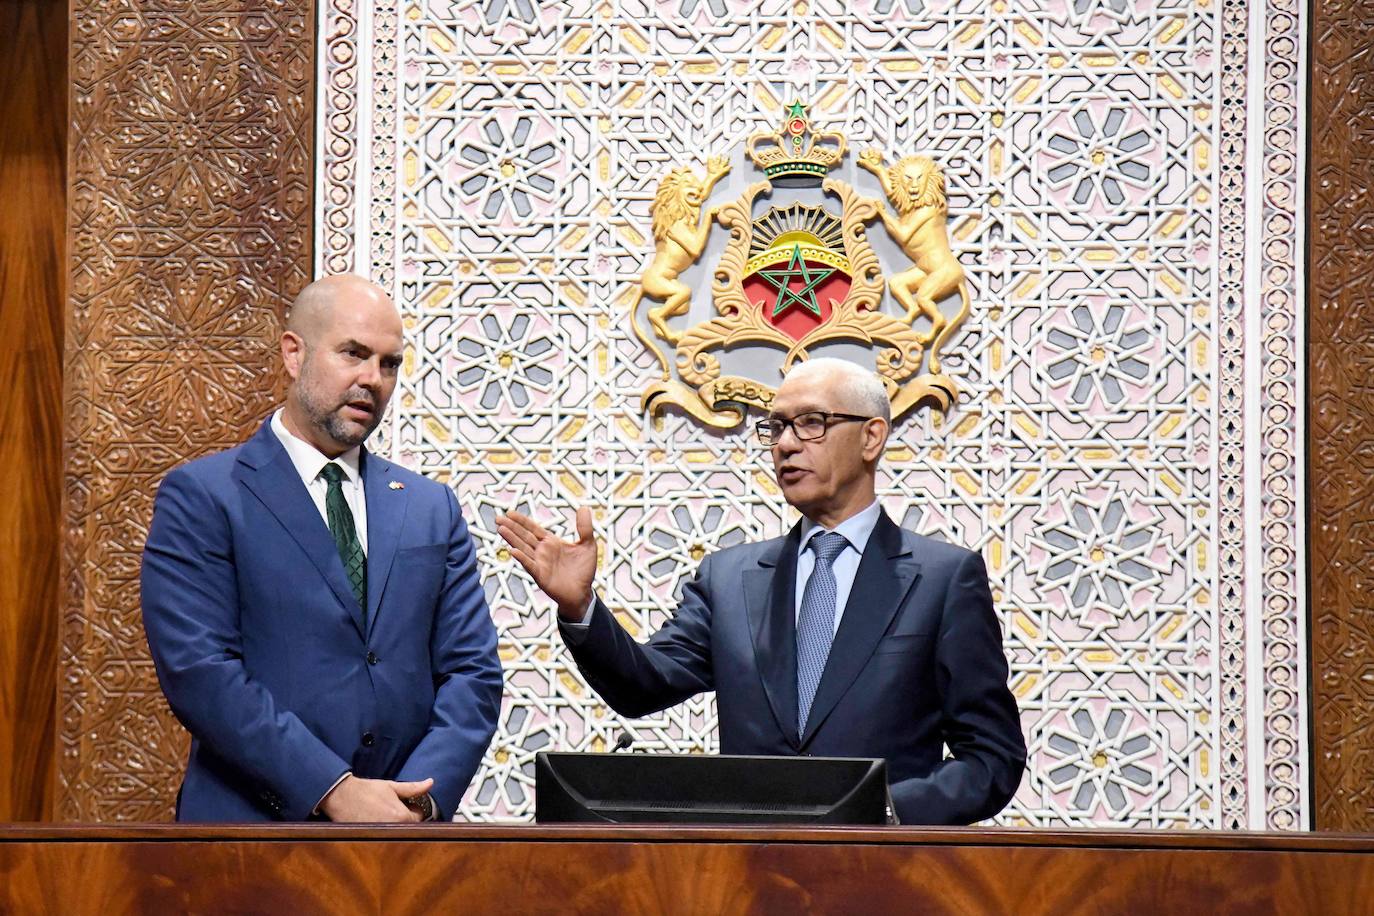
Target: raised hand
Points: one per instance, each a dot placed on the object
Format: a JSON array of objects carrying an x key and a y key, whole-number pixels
[{"x": 564, "y": 570}]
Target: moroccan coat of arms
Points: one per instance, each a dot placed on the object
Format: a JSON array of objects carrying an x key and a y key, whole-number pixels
[{"x": 797, "y": 275}]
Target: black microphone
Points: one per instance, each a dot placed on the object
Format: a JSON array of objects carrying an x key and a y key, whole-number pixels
[{"x": 623, "y": 741}]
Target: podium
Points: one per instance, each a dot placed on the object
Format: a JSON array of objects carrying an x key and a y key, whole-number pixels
[{"x": 473, "y": 869}]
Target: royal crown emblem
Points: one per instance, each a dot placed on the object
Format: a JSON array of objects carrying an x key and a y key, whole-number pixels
[
  {"x": 796, "y": 150},
  {"x": 796, "y": 274}
]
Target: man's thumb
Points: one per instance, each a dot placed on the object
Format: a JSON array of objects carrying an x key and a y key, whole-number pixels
[
  {"x": 584, "y": 524},
  {"x": 412, "y": 789}
]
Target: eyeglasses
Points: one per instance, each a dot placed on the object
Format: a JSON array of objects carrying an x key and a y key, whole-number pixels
[{"x": 807, "y": 426}]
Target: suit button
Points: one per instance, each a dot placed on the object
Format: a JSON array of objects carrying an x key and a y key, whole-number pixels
[
  {"x": 368, "y": 739},
  {"x": 372, "y": 658}
]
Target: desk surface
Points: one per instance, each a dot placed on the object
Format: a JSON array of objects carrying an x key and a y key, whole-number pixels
[
  {"x": 470, "y": 868},
  {"x": 1199, "y": 840}
]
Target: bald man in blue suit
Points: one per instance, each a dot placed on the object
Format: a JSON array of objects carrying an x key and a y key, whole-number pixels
[{"x": 314, "y": 611}]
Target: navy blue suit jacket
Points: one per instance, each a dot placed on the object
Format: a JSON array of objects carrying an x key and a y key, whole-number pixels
[
  {"x": 917, "y": 663},
  {"x": 261, "y": 648}
]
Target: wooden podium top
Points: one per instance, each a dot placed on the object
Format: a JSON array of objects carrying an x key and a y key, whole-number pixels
[
  {"x": 1197, "y": 840},
  {"x": 302, "y": 869}
]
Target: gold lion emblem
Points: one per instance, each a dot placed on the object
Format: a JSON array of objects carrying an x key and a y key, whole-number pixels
[
  {"x": 915, "y": 186},
  {"x": 679, "y": 239}
]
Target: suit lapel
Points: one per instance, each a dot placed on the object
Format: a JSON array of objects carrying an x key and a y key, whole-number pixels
[
  {"x": 886, "y": 572},
  {"x": 386, "y": 512},
  {"x": 273, "y": 479},
  {"x": 770, "y": 601}
]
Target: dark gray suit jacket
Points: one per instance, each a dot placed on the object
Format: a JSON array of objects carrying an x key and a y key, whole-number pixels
[{"x": 917, "y": 664}]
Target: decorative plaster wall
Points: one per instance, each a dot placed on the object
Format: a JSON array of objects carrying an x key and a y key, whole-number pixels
[{"x": 494, "y": 166}]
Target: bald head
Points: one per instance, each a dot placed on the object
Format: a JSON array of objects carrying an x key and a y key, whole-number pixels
[
  {"x": 342, "y": 348},
  {"x": 315, "y": 304}
]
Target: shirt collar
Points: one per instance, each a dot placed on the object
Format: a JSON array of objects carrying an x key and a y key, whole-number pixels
[
  {"x": 308, "y": 460},
  {"x": 856, "y": 529}
]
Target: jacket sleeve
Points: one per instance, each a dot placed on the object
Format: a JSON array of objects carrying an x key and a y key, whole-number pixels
[
  {"x": 636, "y": 679},
  {"x": 979, "y": 720},
  {"x": 467, "y": 676},
  {"x": 191, "y": 617}
]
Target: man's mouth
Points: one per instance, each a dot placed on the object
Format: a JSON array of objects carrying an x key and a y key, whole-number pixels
[
  {"x": 360, "y": 410},
  {"x": 790, "y": 474}
]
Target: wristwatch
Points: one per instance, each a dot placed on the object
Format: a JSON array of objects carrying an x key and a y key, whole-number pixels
[{"x": 425, "y": 805}]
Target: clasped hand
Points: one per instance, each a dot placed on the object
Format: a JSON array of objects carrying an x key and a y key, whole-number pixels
[{"x": 373, "y": 801}]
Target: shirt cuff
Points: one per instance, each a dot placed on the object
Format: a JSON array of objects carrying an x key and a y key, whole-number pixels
[
  {"x": 319, "y": 804},
  {"x": 575, "y": 633},
  {"x": 586, "y": 620}
]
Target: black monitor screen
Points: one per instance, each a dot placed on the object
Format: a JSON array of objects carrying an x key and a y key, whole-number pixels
[{"x": 673, "y": 788}]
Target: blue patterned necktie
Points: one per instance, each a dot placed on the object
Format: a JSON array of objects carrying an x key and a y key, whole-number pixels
[
  {"x": 816, "y": 622},
  {"x": 345, "y": 533}
]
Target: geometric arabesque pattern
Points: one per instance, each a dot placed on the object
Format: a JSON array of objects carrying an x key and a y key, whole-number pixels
[
  {"x": 188, "y": 214},
  {"x": 496, "y": 170},
  {"x": 1340, "y": 418}
]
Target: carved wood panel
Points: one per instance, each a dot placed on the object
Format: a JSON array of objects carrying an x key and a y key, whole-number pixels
[
  {"x": 190, "y": 230},
  {"x": 1340, "y": 354}
]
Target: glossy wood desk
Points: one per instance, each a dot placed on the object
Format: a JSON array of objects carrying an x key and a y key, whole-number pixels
[{"x": 532, "y": 869}]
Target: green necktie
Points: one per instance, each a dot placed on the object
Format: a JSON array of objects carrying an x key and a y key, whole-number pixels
[{"x": 345, "y": 534}]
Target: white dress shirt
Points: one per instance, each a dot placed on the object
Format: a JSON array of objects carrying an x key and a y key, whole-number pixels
[
  {"x": 309, "y": 461},
  {"x": 856, "y": 531}
]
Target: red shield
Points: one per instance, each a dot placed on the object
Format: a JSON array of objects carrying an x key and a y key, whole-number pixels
[{"x": 812, "y": 291}]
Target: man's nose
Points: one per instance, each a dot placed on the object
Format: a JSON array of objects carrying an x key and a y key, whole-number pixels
[
  {"x": 370, "y": 372},
  {"x": 787, "y": 441}
]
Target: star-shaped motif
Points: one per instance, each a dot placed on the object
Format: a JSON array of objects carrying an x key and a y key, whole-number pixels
[
  {"x": 782, "y": 281},
  {"x": 796, "y": 110}
]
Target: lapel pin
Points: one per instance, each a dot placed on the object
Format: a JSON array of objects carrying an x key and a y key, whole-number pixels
[{"x": 396, "y": 485}]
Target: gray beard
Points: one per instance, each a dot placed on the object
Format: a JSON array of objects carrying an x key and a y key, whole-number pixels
[
  {"x": 329, "y": 420},
  {"x": 334, "y": 425}
]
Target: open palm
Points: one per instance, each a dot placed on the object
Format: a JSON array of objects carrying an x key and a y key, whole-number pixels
[{"x": 564, "y": 570}]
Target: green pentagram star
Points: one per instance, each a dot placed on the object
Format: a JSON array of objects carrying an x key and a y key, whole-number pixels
[
  {"x": 796, "y": 110},
  {"x": 804, "y": 297}
]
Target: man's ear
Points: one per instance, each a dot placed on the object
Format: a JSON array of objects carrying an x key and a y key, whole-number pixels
[
  {"x": 292, "y": 353},
  {"x": 875, "y": 438}
]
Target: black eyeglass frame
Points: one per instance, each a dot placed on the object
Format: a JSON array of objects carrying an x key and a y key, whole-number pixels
[{"x": 763, "y": 429}]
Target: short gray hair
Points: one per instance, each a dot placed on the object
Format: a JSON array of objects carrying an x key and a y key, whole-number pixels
[{"x": 860, "y": 388}]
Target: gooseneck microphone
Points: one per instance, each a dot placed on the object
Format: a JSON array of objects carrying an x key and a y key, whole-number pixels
[{"x": 623, "y": 741}]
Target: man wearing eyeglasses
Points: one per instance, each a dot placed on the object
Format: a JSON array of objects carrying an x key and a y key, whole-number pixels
[{"x": 847, "y": 637}]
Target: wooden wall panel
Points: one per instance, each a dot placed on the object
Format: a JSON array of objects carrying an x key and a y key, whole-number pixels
[
  {"x": 190, "y": 230},
  {"x": 33, "y": 79},
  {"x": 1340, "y": 363}
]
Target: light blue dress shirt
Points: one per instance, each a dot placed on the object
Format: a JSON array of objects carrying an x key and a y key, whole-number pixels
[{"x": 856, "y": 530}]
